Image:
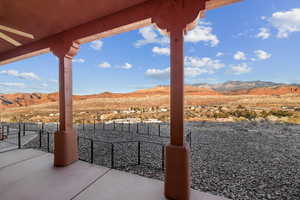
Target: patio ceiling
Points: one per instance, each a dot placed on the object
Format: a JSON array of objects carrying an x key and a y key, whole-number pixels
[{"x": 40, "y": 23}]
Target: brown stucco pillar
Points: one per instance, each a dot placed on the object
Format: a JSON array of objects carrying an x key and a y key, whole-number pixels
[
  {"x": 65, "y": 140},
  {"x": 177, "y": 176}
]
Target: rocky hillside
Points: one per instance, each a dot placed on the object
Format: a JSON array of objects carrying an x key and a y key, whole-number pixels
[
  {"x": 239, "y": 85},
  {"x": 227, "y": 88},
  {"x": 275, "y": 90},
  {"x": 26, "y": 99},
  {"x": 165, "y": 90}
]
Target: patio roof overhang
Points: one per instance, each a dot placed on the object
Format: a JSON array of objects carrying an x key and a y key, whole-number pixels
[
  {"x": 61, "y": 26},
  {"x": 81, "y": 21}
]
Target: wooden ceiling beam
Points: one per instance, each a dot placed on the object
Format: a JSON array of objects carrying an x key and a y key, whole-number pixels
[
  {"x": 9, "y": 40},
  {"x": 17, "y": 32}
]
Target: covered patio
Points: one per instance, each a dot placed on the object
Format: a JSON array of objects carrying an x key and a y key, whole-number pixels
[
  {"x": 30, "y": 28},
  {"x": 29, "y": 174}
]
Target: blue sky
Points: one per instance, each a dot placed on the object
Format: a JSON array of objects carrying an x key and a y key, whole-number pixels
[{"x": 251, "y": 40}]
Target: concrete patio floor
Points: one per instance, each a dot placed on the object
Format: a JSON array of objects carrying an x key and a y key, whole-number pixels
[{"x": 29, "y": 175}]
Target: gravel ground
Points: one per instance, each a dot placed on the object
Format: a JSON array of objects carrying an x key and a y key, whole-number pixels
[
  {"x": 241, "y": 160},
  {"x": 247, "y": 160}
]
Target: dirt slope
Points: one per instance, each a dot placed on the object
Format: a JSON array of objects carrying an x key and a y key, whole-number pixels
[
  {"x": 27, "y": 99},
  {"x": 280, "y": 90}
]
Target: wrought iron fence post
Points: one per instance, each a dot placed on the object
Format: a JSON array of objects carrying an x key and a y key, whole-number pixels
[
  {"x": 92, "y": 151},
  {"x": 148, "y": 129},
  {"x": 163, "y": 158},
  {"x": 48, "y": 142},
  {"x": 103, "y": 125},
  {"x": 129, "y": 127},
  {"x": 94, "y": 126},
  {"x": 78, "y": 142},
  {"x": 139, "y": 152},
  {"x": 159, "y": 129},
  {"x": 19, "y": 139},
  {"x": 190, "y": 138},
  {"x": 40, "y": 139},
  {"x": 114, "y": 123},
  {"x": 24, "y": 129},
  {"x": 7, "y": 129},
  {"x": 83, "y": 125},
  {"x": 137, "y": 127},
  {"x": 112, "y": 156},
  {"x": 19, "y": 127}
]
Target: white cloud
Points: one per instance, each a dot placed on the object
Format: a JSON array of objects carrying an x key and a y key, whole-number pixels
[
  {"x": 151, "y": 35},
  {"x": 97, "y": 45},
  {"x": 191, "y": 72},
  {"x": 11, "y": 84},
  {"x": 53, "y": 80},
  {"x": 239, "y": 56},
  {"x": 22, "y": 75},
  {"x": 108, "y": 65},
  {"x": 12, "y": 87},
  {"x": 219, "y": 54},
  {"x": 45, "y": 85},
  {"x": 104, "y": 65},
  {"x": 164, "y": 74},
  {"x": 161, "y": 50},
  {"x": 240, "y": 69},
  {"x": 126, "y": 66},
  {"x": 262, "y": 55},
  {"x": 202, "y": 33},
  {"x": 193, "y": 67},
  {"x": 16, "y": 87},
  {"x": 159, "y": 74},
  {"x": 78, "y": 60},
  {"x": 206, "y": 64},
  {"x": 286, "y": 22},
  {"x": 264, "y": 33}
]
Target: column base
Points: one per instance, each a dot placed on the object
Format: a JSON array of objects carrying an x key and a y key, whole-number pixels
[
  {"x": 65, "y": 148},
  {"x": 177, "y": 174}
]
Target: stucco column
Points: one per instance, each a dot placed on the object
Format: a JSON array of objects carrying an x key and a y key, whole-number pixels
[
  {"x": 177, "y": 176},
  {"x": 65, "y": 140},
  {"x": 177, "y": 87}
]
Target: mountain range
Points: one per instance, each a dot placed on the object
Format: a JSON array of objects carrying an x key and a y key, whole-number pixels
[
  {"x": 231, "y": 86},
  {"x": 227, "y": 88}
]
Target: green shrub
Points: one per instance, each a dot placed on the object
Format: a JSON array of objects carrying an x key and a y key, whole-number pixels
[
  {"x": 280, "y": 113},
  {"x": 264, "y": 114},
  {"x": 221, "y": 115},
  {"x": 248, "y": 114}
]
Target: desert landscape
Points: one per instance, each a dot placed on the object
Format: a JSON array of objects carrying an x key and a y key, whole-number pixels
[
  {"x": 244, "y": 136},
  {"x": 231, "y": 101}
]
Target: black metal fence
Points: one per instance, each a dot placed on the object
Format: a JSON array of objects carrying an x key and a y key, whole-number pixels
[
  {"x": 120, "y": 154},
  {"x": 149, "y": 129},
  {"x": 116, "y": 154}
]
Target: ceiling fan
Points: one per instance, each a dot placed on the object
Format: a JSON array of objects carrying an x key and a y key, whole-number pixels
[{"x": 14, "y": 31}]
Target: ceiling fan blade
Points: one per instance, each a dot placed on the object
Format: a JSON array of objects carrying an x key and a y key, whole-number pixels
[
  {"x": 9, "y": 39},
  {"x": 17, "y": 32}
]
